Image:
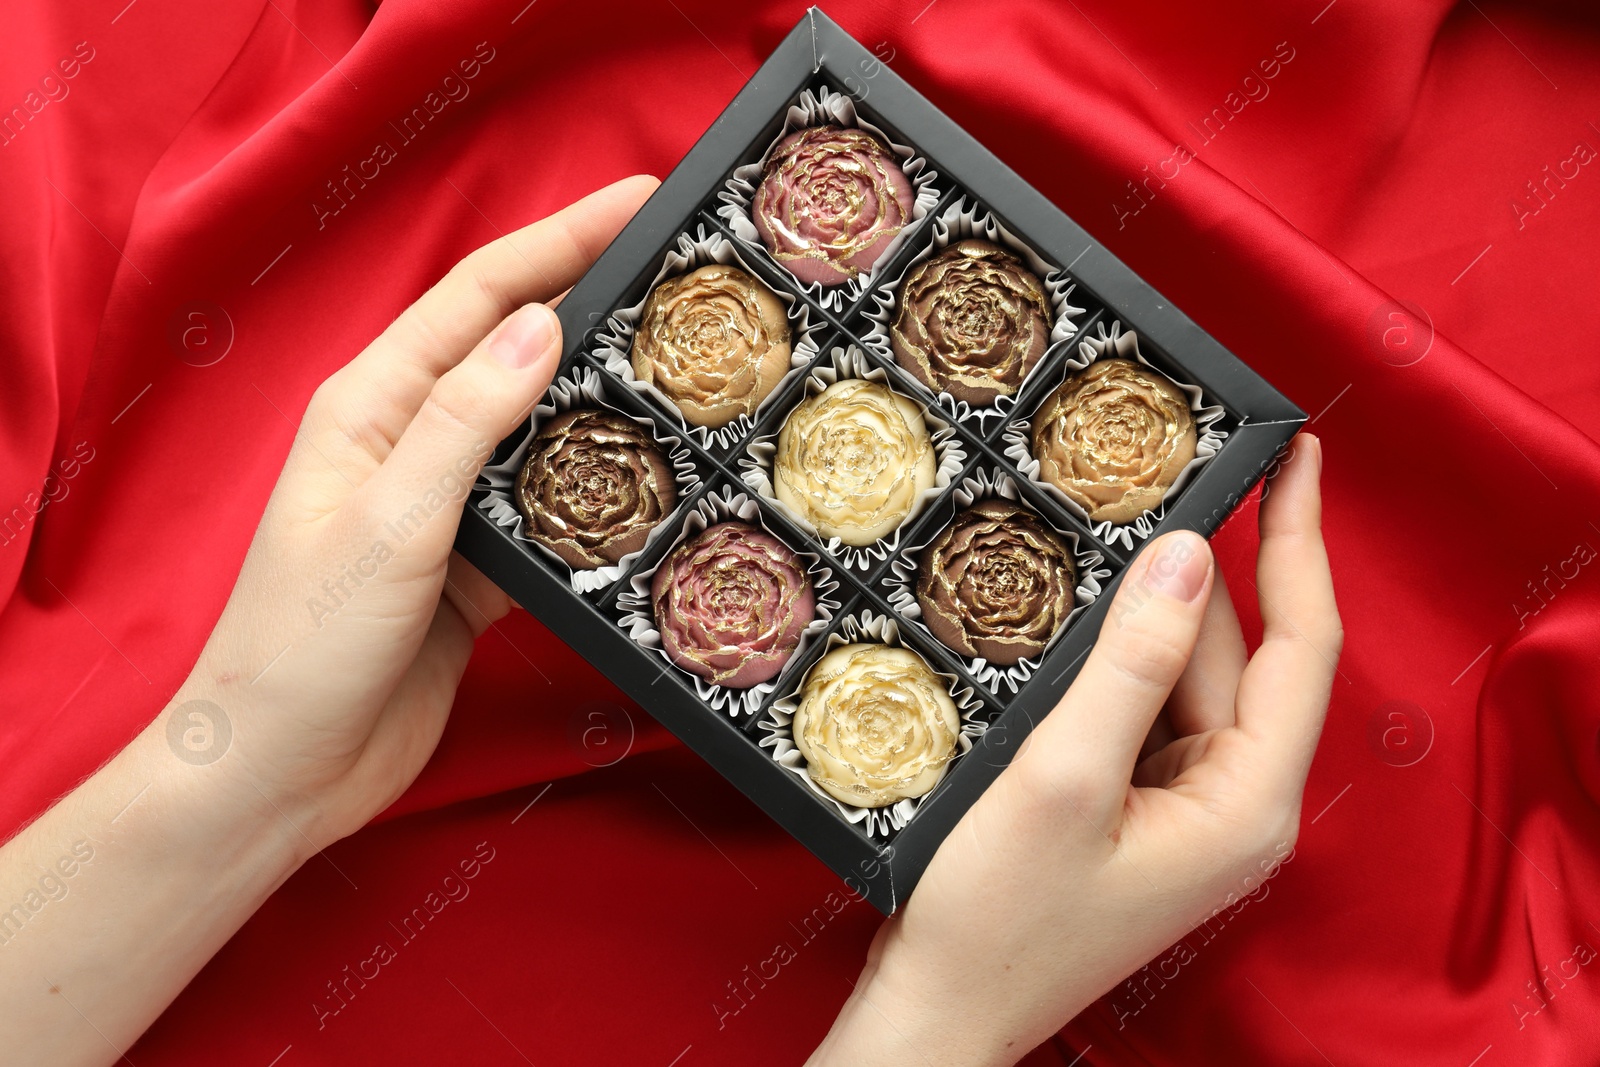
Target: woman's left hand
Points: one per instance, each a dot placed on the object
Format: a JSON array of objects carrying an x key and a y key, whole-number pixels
[
  {"x": 337, "y": 657},
  {"x": 332, "y": 668}
]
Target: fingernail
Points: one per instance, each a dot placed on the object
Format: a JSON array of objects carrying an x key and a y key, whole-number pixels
[
  {"x": 524, "y": 337},
  {"x": 1180, "y": 568},
  {"x": 1316, "y": 446}
]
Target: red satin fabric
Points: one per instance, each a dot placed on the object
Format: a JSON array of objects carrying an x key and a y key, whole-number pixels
[{"x": 1433, "y": 912}]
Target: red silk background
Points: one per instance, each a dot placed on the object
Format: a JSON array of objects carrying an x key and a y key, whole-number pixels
[{"x": 1398, "y": 228}]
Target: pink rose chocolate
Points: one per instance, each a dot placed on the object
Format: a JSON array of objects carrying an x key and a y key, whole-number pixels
[
  {"x": 831, "y": 201},
  {"x": 731, "y": 604}
]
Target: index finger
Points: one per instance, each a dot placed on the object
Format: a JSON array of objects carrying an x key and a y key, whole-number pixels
[
  {"x": 367, "y": 404},
  {"x": 532, "y": 265},
  {"x": 1283, "y": 695},
  {"x": 1090, "y": 742}
]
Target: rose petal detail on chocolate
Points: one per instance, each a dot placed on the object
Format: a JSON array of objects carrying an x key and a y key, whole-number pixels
[
  {"x": 875, "y": 725},
  {"x": 854, "y": 461},
  {"x": 593, "y": 486},
  {"x": 715, "y": 341},
  {"x": 1113, "y": 438},
  {"x": 731, "y": 604},
  {"x": 831, "y": 201},
  {"x": 973, "y": 321},
  {"x": 997, "y": 583}
]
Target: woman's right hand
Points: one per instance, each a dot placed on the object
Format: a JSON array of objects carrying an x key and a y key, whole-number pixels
[{"x": 1086, "y": 858}]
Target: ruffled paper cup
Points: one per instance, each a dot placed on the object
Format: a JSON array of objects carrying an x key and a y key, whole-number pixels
[
  {"x": 1017, "y": 442},
  {"x": 612, "y": 347},
  {"x": 961, "y": 221},
  {"x": 824, "y": 107},
  {"x": 844, "y": 363},
  {"x": 994, "y": 484},
  {"x": 777, "y": 732},
  {"x": 638, "y": 608},
  {"x": 580, "y": 387}
]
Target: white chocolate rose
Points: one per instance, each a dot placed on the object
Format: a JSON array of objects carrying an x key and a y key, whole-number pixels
[
  {"x": 854, "y": 461},
  {"x": 875, "y": 725}
]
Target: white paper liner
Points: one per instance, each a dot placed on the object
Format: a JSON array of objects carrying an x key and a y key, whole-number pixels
[
  {"x": 962, "y": 220},
  {"x": 638, "y": 619},
  {"x": 778, "y": 734},
  {"x": 823, "y": 107},
  {"x": 580, "y": 387},
  {"x": 986, "y": 484},
  {"x": 613, "y": 345},
  {"x": 947, "y": 449},
  {"x": 1018, "y": 445}
]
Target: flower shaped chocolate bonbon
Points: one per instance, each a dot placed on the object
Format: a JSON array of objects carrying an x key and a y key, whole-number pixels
[
  {"x": 1113, "y": 438},
  {"x": 997, "y": 583},
  {"x": 973, "y": 321},
  {"x": 731, "y": 604},
  {"x": 875, "y": 725},
  {"x": 714, "y": 341},
  {"x": 831, "y": 201},
  {"x": 854, "y": 460},
  {"x": 593, "y": 487}
]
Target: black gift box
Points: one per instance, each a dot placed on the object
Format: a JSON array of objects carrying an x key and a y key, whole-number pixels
[{"x": 1254, "y": 424}]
